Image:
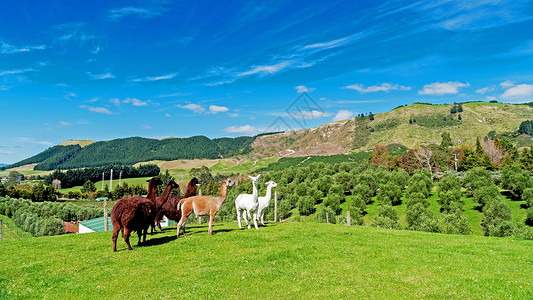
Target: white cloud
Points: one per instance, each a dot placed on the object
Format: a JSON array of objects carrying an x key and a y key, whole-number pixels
[
  {"x": 193, "y": 107},
  {"x": 443, "y": 88},
  {"x": 484, "y": 90},
  {"x": 246, "y": 129},
  {"x": 32, "y": 141},
  {"x": 233, "y": 115},
  {"x": 266, "y": 69},
  {"x": 16, "y": 71},
  {"x": 304, "y": 89},
  {"x": 338, "y": 42},
  {"x": 311, "y": 114},
  {"x": 155, "y": 78},
  {"x": 135, "y": 102},
  {"x": 343, "y": 115},
  {"x": 147, "y": 127},
  {"x": 102, "y": 76},
  {"x": 168, "y": 115},
  {"x": 384, "y": 87},
  {"x": 490, "y": 98},
  {"x": 10, "y": 49},
  {"x": 507, "y": 84},
  {"x": 100, "y": 110},
  {"x": 215, "y": 109},
  {"x": 142, "y": 12},
  {"x": 63, "y": 124},
  {"x": 520, "y": 91}
]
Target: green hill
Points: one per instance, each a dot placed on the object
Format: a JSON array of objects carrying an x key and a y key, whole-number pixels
[
  {"x": 284, "y": 260},
  {"x": 406, "y": 126},
  {"x": 129, "y": 151}
]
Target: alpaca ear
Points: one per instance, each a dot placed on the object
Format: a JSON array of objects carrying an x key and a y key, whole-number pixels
[{"x": 258, "y": 176}]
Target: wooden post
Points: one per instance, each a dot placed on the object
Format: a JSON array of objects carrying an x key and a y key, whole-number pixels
[
  {"x": 106, "y": 225},
  {"x": 348, "y": 221},
  {"x": 327, "y": 217},
  {"x": 1, "y": 227},
  {"x": 275, "y": 206}
]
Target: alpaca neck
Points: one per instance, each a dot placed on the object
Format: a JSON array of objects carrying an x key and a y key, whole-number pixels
[
  {"x": 223, "y": 191},
  {"x": 151, "y": 191},
  {"x": 165, "y": 195},
  {"x": 191, "y": 191},
  {"x": 255, "y": 194},
  {"x": 268, "y": 194}
]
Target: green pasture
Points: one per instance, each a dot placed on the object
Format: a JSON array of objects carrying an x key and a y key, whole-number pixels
[{"x": 282, "y": 260}]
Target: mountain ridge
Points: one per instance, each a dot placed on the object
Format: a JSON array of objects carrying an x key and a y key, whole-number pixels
[{"x": 411, "y": 126}]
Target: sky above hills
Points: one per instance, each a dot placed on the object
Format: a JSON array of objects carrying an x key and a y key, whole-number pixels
[{"x": 101, "y": 70}]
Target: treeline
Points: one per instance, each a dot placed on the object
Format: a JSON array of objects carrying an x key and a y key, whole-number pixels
[
  {"x": 129, "y": 151},
  {"x": 78, "y": 177},
  {"x": 44, "y": 218}
]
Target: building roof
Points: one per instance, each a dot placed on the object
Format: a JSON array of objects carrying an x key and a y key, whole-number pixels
[{"x": 97, "y": 224}]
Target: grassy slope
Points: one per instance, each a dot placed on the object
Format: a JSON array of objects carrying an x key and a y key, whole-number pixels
[
  {"x": 289, "y": 260},
  {"x": 478, "y": 118}
]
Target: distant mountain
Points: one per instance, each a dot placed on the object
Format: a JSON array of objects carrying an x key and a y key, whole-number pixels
[
  {"x": 3, "y": 165},
  {"x": 409, "y": 126}
]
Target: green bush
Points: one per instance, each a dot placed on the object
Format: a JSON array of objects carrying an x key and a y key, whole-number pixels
[
  {"x": 389, "y": 194},
  {"x": 387, "y": 218},
  {"x": 516, "y": 180},
  {"x": 529, "y": 216},
  {"x": 486, "y": 194},
  {"x": 420, "y": 218},
  {"x": 476, "y": 178},
  {"x": 527, "y": 196},
  {"x": 497, "y": 217},
  {"x": 454, "y": 223}
]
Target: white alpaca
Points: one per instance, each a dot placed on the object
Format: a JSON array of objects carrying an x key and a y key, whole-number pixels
[
  {"x": 265, "y": 201},
  {"x": 247, "y": 203}
]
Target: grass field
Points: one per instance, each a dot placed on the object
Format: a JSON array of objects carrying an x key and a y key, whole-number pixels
[{"x": 283, "y": 260}]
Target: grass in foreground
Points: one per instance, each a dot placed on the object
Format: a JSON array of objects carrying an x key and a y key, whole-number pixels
[{"x": 288, "y": 260}]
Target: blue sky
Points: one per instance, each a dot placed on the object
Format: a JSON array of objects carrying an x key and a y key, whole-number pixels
[{"x": 101, "y": 70}]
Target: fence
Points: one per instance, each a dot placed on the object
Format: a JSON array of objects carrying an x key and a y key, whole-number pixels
[{"x": 9, "y": 231}]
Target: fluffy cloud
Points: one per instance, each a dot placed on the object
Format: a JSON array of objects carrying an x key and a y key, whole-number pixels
[
  {"x": 310, "y": 114},
  {"x": 343, "y": 115},
  {"x": 520, "y": 91},
  {"x": 384, "y": 87},
  {"x": 215, "y": 109},
  {"x": 303, "y": 89},
  {"x": 507, "y": 84},
  {"x": 193, "y": 107},
  {"x": 246, "y": 129},
  {"x": 132, "y": 101},
  {"x": 443, "y": 88},
  {"x": 100, "y": 110}
]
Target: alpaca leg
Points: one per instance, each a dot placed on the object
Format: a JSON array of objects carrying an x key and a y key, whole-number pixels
[
  {"x": 114, "y": 238},
  {"x": 255, "y": 220},
  {"x": 244, "y": 212},
  {"x": 211, "y": 221},
  {"x": 263, "y": 217},
  {"x": 127, "y": 233},
  {"x": 239, "y": 217},
  {"x": 181, "y": 223},
  {"x": 249, "y": 223}
]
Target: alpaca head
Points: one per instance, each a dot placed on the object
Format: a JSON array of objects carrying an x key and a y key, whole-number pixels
[
  {"x": 155, "y": 181},
  {"x": 271, "y": 184},
  {"x": 195, "y": 181},
  {"x": 255, "y": 179},
  {"x": 228, "y": 182}
]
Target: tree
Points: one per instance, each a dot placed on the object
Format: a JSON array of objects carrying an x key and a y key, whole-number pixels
[
  {"x": 446, "y": 140},
  {"x": 56, "y": 183},
  {"x": 88, "y": 186},
  {"x": 526, "y": 127},
  {"x": 497, "y": 217},
  {"x": 516, "y": 180},
  {"x": 380, "y": 156},
  {"x": 387, "y": 218},
  {"x": 423, "y": 155},
  {"x": 371, "y": 116}
]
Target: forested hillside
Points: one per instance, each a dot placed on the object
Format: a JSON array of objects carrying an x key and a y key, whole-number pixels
[{"x": 129, "y": 151}]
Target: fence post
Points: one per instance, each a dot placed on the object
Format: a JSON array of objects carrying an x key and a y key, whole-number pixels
[
  {"x": 106, "y": 225},
  {"x": 327, "y": 217},
  {"x": 348, "y": 221},
  {"x": 275, "y": 206},
  {"x": 1, "y": 227}
]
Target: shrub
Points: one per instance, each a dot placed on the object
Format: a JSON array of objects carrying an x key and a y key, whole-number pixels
[
  {"x": 454, "y": 223},
  {"x": 420, "y": 218},
  {"x": 529, "y": 216},
  {"x": 497, "y": 218},
  {"x": 486, "y": 194},
  {"x": 306, "y": 205},
  {"x": 516, "y": 180},
  {"x": 389, "y": 194},
  {"x": 450, "y": 200},
  {"x": 333, "y": 201},
  {"x": 364, "y": 191},
  {"x": 527, "y": 196},
  {"x": 476, "y": 178},
  {"x": 387, "y": 218}
]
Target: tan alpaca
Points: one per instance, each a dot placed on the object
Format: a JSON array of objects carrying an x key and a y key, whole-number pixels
[{"x": 202, "y": 206}]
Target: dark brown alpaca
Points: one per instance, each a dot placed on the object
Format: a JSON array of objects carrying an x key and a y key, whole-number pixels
[
  {"x": 137, "y": 213},
  {"x": 170, "y": 208}
]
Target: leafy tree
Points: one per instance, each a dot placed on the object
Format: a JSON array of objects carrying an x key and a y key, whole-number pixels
[
  {"x": 387, "y": 218},
  {"x": 454, "y": 223},
  {"x": 380, "y": 156},
  {"x": 497, "y": 219},
  {"x": 364, "y": 191},
  {"x": 420, "y": 218},
  {"x": 389, "y": 194},
  {"x": 529, "y": 216},
  {"x": 305, "y": 205},
  {"x": 446, "y": 140},
  {"x": 527, "y": 196},
  {"x": 476, "y": 178},
  {"x": 526, "y": 159},
  {"x": 371, "y": 116},
  {"x": 526, "y": 127},
  {"x": 333, "y": 201},
  {"x": 88, "y": 186},
  {"x": 516, "y": 180},
  {"x": 486, "y": 194}
]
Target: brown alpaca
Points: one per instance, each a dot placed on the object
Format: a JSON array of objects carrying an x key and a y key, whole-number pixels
[
  {"x": 203, "y": 206},
  {"x": 170, "y": 209},
  {"x": 136, "y": 213}
]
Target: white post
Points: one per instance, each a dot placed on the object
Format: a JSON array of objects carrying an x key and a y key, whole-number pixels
[
  {"x": 1, "y": 229},
  {"x": 111, "y": 180},
  {"x": 327, "y": 218},
  {"x": 119, "y": 178},
  {"x": 106, "y": 225},
  {"x": 102, "y": 181},
  {"x": 275, "y": 206},
  {"x": 348, "y": 221}
]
